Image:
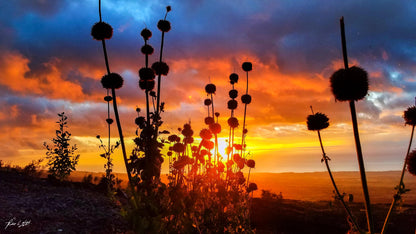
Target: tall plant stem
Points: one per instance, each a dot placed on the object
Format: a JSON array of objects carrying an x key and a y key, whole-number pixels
[
  {"x": 362, "y": 169},
  {"x": 400, "y": 186},
  {"x": 339, "y": 196},
  {"x": 158, "y": 84},
  {"x": 244, "y": 121},
  {"x": 120, "y": 131},
  {"x": 357, "y": 139}
]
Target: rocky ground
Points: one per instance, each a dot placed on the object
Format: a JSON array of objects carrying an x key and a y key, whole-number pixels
[{"x": 33, "y": 205}]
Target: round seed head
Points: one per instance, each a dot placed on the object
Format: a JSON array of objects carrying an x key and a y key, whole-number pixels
[
  {"x": 232, "y": 104},
  {"x": 215, "y": 128},
  {"x": 101, "y": 31},
  {"x": 233, "y": 78},
  {"x": 251, "y": 163},
  {"x": 217, "y": 114},
  {"x": 247, "y": 66},
  {"x": 146, "y": 34},
  {"x": 178, "y": 147},
  {"x": 233, "y": 122},
  {"x": 209, "y": 120},
  {"x": 188, "y": 140},
  {"x": 410, "y": 116},
  {"x": 207, "y": 102},
  {"x": 317, "y": 121},
  {"x": 173, "y": 138},
  {"x": 160, "y": 68},
  {"x": 350, "y": 84},
  {"x": 252, "y": 187},
  {"x": 163, "y": 25},
  {"x": 205, "y": 134},
  {"x": 187, "y": 132},
  {"x": 147, "y": 49},
  {"x": 233, "y": 93},
  {"x": 139, "y": 121},
  {"x": 246, "y": 99},
  {"x": 108, "y": 98},
  {"x": 210, "y": 88},
  {"x": 146, "y": 73},
  {"x": 112, "y": 81},
  {"x": 411, "y": 162}
]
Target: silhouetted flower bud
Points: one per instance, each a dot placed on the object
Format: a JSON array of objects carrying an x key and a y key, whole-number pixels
[
  {"x": 233, "y": 78},
  {"x": 147, "y": 49},
  {"x": 112, "y": 81},
  {"x": 350, "y": 84},
  {"x": 187, "y": 132},
  {"x": 210, "y": 88},
  {"x": 207, "y": 102},
  {"x": 205, "y": 134},
  {"x": 251, "y": 163},
  {"x": 209, "y": 120},
  {"x": 411, "y": 162},
  {"x": 217, "y": 114},
  {"x": 233, "y": 93},
  {"x": 187, "y": 126},
  {"x": 146, "y": 73},
  {"x": 410, "y": 116},
  {"x": 188, "y": 140},
  {"x": 168, "y": 8},
  {"x": 317, "y": 121},
  {"x": 232, "y": 104},
  {"x": 101, "y": 31},
  {"x": 108, "y": 98},
  {"x": 152, "y": 93},
  {"x": 252, "y": 187},
  {"x": 173, "y": 138},
  {"x": 208, "y": 144},
  {"x": 160, "y": 68},
  {"x": 233, "y": 122},
  {"x": 147, "y": 84},
  {"x": 140, "y": 121},
  {"x": 109, "y": 121},
  {"x": 178, "y": 147},
  {"x": 247, "y": 66},
  {"x": 146, "y": 34},
  {"x": 215, "y": 128},
  {"x": 163, "y": 25},
  {"x": 246, "y": 99},
  {"x": 245, "y": 131}
]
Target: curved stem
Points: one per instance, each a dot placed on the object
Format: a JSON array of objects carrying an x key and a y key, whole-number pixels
[
  {"x": 339, "y": 196},
  {"x": 362, "y": 168},
  {"x": 400, "y": 186}
]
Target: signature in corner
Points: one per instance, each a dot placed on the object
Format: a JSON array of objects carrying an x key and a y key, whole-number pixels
[{"x": 13, "y": 222}]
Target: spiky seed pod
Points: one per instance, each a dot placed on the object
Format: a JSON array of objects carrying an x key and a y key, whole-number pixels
[
  {"x": 210, "y": 88},
  {"x": 112, "y": 81},
  {"x": 146, "y": 73},
  {"x": 252, "y": 187},
  {"x": 246, "y": 99},
  {"x": 411, "y": 162},
  {"x": 146, "y": 34},
  {"x": 251, "y": 163},
  {"x": 233, "y": 93},
  {"x": 163, "y": 25},
  {"x": 233, "y": 122},
  {"x": 317, "y": 121},
  {"x": 247, "y": 66},
  {"x": 160, "y": 68},
  {"x": 350, "y": 84},
  {"x": 410, "y": 116},
  {"x": 232, "y": 104},
  {"x": 215, "y": 128},
  {"x": 178, "y": 147},
  {"x": 108, "y": 98},
  {"x": 101, "y": 31},
  {"x": 187, "y": 132},
  {"x": 172, "y": 138},
  {"x": 109, "y": 121},
  {"x": 209, "y": 120},
  {"x": 207, "y": 102},
  {"x": 147, "y": 49},
  {"x": 205, "y": 134},
  {"x": 233, "y": 78},
  {"x": 147, "y": 84}
]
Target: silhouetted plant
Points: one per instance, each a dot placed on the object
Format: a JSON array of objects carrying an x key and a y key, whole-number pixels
[
  {"x": 109, "y": 177},
  {"x": 351, "y": 84},
  {"x": 61, "y": 156},
  {"x": 317, "y": 122},
  {"x": 410, "y": 119}
]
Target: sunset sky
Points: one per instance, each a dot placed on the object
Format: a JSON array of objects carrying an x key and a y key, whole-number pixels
[{"x": 50, "y": 64}]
